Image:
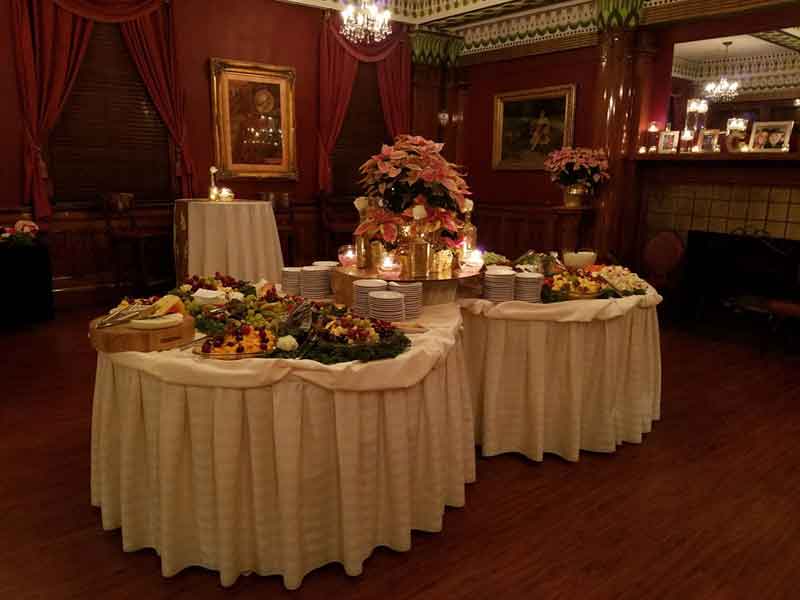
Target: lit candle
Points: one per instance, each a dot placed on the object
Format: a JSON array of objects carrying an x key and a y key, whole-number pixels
[
  {"x": 642, "y": 149},
  {"x": 475, "y": 259},
  {"x": 695, "y": 148},
  {"x": 347, "y": 256},
  {"x": 653, "y": 127}
]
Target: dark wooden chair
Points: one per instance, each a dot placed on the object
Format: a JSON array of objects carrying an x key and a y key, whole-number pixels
[{"x": 127, "y": 237}]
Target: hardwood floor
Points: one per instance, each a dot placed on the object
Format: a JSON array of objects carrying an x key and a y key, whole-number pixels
[{"x": 706, "y": 507}]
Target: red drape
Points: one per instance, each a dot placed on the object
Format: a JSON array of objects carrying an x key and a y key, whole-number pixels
[
  {"x": 50, "y": 39},
  {"x": 49, "y": 47},
  {"x": 110, "y": 11},
  {"x": 338, "y": 66},
  {"x": 150, "y": 40}
]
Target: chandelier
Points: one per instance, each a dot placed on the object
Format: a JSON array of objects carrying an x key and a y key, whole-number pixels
[
  {"x": 365, "y": 23},
  {"x": 722, "y": 90}
]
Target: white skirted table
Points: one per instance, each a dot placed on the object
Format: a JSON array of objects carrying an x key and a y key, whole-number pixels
[
  {"x": 564, "y": 377},
  {"x": 278, "y": 466},
  {"x": 238, "y": 238}
]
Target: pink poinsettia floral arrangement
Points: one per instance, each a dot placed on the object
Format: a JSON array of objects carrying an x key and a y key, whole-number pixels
[
  {"x": 571, "y": 166},
  {"x": 413, "y": 182},
  {"x": 23, "y": 233}
]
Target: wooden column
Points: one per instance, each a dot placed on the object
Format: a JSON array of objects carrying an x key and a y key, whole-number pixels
[
  {"x": 616, "y": 121},
  {"x": 434, "y": 54}
]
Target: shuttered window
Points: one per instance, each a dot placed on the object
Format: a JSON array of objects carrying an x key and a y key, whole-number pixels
[
  {"x": 109, "y": 137},
  {"x": 363, "y": 132}
]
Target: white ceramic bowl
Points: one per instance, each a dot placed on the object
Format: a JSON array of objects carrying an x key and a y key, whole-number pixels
[{"x": 579, "y": 260}]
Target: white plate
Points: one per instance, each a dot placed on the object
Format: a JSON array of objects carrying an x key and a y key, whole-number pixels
[{"x": 157, "y": 322}]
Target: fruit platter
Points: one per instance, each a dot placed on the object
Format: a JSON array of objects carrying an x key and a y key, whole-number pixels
[
  {"x": 239, "y": 319},
  {"x": 564, "y": 282}
]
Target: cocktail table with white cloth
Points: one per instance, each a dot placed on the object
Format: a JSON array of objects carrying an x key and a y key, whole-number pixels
[
  {"x": 281, "y": 466},
  {"x": 563, "y": 377},
  {"x": 238, "y": 238}
]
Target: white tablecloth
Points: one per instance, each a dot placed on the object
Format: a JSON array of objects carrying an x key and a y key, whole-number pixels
[
  {"x": 279, "y": 467},
  {"x": 238, "y": 238},
  {"x": 562, "y": 377}
]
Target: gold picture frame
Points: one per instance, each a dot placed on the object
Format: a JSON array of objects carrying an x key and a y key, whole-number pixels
[
  {"x": 529, "y": 124},
  {"x": 709, "y": 140},
  {"x": 254, "y": 125}
]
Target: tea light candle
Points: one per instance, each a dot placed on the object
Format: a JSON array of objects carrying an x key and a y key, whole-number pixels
[
  {"x": 347, "y": 256},
  {"x": 389, "y": 264},
  {"x": 475, "y": 259},
  {"x": 642, "y": 149}
]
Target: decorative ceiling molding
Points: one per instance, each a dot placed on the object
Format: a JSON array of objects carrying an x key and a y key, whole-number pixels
[
  {"x": 434, "y": 47},
  {"x": 758, "y": 76},
  {"x": 662, "y": 11},
  {"x": 618, "y": 14},
  {"x": 780, "y": 38},
  {"x": 567, "y": 19}
]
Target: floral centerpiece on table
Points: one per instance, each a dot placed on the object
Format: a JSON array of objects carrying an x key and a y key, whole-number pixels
[
  {"x": 23, "y": 233},
  {"x": 413, "y": 182},
  {"x": 578, "y": 170}
]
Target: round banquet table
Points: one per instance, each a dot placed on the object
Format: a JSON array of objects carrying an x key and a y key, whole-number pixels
[
  {"x": 279, "y": 466},
  {"x": 563, "y": 377},
  {"x": 238, "y": 238}
]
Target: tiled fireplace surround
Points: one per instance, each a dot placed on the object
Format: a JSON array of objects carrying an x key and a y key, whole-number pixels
[{"x": 723, "y": 208}]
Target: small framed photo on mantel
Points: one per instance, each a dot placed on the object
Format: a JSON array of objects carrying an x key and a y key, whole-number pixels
[
  {"x": 709, "y": 140},
  {"x": 668, "y": 142},
  {"x": 771, "y": 136},
  {"x": 253, "y": 111}
]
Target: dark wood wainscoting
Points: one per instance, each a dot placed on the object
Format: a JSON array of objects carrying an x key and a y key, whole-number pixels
[
  {"x": 83, "y": 263},
  {"x": 513, "y": 229}
]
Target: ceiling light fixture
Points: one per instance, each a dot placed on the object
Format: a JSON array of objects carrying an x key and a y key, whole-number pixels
[
  {"x": 722, "y": 90},
  {"x": 365, "y": 23}
]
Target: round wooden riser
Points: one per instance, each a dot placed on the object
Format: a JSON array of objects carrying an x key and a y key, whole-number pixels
[{"x": 122, "y": 338}]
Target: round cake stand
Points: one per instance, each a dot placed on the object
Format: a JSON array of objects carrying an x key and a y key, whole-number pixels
[{"x": 436, "y": 289}]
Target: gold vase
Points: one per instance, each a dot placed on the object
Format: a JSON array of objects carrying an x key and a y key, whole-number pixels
[
  {"x": 362, "y": 251},
  {"x": 420, "y": 258},
  {"x": 376, "y": 254},
  {"x": 576, "y": 195}
]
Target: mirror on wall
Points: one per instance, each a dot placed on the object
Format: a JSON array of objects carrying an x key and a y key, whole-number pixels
[{"x": 747, "y": 87}]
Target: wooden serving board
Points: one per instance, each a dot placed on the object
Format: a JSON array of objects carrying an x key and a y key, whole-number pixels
[{"x": 122, "y": 338}]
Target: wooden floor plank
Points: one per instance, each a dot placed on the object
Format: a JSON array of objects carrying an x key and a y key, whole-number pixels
[{"x": 706, "y": 507}]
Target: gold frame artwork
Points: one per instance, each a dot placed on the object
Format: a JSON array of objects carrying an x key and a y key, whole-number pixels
[
  {"x": 536, "y": 161},
  {"x": 273, "y": 107}
]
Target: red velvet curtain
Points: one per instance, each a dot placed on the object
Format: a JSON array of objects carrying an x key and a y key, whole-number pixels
[
  {"x": 50, "y": 39},
  {"x": 49, "y": 47},
  {"x": 338, "y": 66},
  {"x": 150, "y": 40},
  {"x": 110, "y": 11}
]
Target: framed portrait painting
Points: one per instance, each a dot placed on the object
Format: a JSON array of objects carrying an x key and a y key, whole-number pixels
[
  {"x": 529, "y": 124},
  {"x": 253, "y": 111},
  {"x": 771, "y": 136}
]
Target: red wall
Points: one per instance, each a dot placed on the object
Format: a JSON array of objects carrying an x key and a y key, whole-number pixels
[
  {"x": 486, "y": 80},
  {"x": 11, "y": 121},
  {"x": 258, "y": 30},
  {"x": 262, "y": 31}
]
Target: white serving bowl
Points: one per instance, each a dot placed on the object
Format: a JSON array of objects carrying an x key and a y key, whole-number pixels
[{"x": 579, "y": 260}]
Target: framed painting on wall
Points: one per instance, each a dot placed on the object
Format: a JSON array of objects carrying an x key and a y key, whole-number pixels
[
  {"x": 253, "y": 111},
  {"x": 529, "y": 124}
]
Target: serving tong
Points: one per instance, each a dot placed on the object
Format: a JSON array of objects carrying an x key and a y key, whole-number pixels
[{"x": 124, "y": 315}]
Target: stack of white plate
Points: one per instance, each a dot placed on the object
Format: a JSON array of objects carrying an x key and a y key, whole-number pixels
[
  {"x": 290, "y": 283},
  {"x": 528, "y": 287},
  {"x": 386, "y": 306},
  {"x": 412, "y": 293},
  {"x": 315, "y": 282},
  {"x": 361, "y": 290},
  {"x": 331, "y": 264},
  {"x": 498, "y": 286}
]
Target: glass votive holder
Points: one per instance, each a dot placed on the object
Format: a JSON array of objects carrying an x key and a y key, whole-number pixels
[
  {"x": 347, "y": 256},
  {"x": 389, "y": 266}
]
